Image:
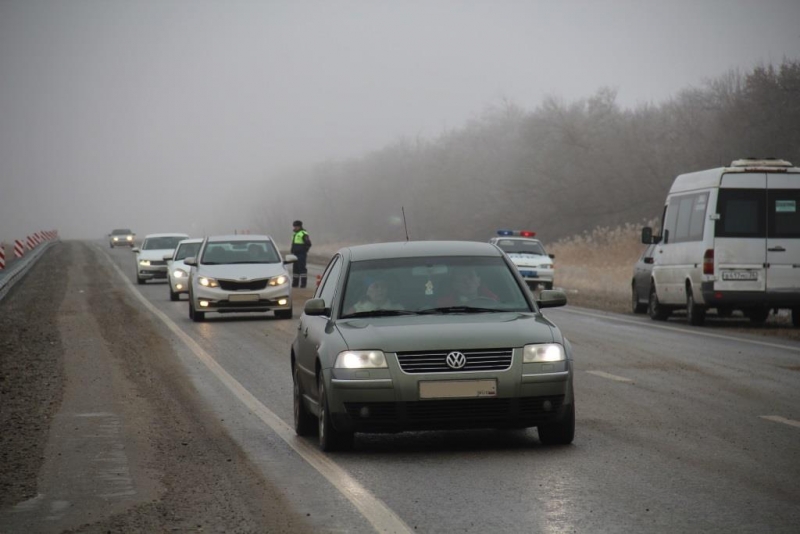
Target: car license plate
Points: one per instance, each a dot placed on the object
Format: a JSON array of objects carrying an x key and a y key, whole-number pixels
[
  {"x": 740, "y": 275},
  {"x": 529, "y": 274},
  {"x": 451, "y": 389},
  {"x": 243, "y": 298}
]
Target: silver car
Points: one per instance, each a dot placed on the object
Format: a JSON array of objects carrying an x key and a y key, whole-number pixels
[
  {"x": 239, "y": 273},
  {"x": 429, "y": 335},
  {"x": 150, "y": 262},
  {"x": 177, "y": 271},
  {"x": 121, "y": 237},
  {"x": 528, "y": 254}
]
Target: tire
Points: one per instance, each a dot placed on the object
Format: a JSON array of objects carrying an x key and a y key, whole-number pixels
[
  {"x": 173, "y": 296},
  {"x": 795, "y": 317},
  {"x": 195, "y": 315},
  {"x": 696, "y": 315},
  {"x": 305, "y": 424},
  {"x": 283, "y": 314},
  {"x": 140, "y": 281},
  {"x": 656, "y": 311},
  {"x": 636, "y": 306},
  {"x": 561, "y": 432},
  {"x": 330, "y": 439},
  {"x": 759, "y": 315}
]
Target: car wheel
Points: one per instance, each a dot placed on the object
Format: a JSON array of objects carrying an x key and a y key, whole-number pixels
[
  {"x": 637, "y": 307},
  {"x": 758, "y": 315},
  {"x": 305, "y": 424},
  {"x": 140, "y": 281},
  {"x": 330, "y": 439},
  {"x": 561, "y": 432},
  {"x": 195, "y": 315},
  {"x": 283, "y": 314},
  {"x": 696, "y": 315},
  {"x": 656, "y": 311},
  {"x": 172, "y": 295}
]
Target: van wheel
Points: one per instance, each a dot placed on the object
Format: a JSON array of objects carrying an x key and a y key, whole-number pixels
[
  {"x": 696, "y": 315},
  {"x": 656, "y": 311},
  {"x": 759, "y": 315},
  {"x": 636, "y": 306}
]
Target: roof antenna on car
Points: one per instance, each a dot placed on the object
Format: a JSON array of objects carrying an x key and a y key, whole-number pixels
[{"x": 403, "y": 209}]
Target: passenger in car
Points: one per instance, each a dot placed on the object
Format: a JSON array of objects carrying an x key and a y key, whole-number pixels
[
  {"x": 376, "y": 298},
  {"x": 466, "y": 287}
]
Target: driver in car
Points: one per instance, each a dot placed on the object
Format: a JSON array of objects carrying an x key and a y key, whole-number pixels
[{"x": 466, "y": 288}]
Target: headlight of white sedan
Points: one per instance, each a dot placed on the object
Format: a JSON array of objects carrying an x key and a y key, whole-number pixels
[
  {"x": 278, "y": 280},
  {"x": 144, "y": 263},
  {"x": 545, "y": 352},
  {"x": 179, "y": 273},
  {"x": 361, "y": 359},
  {"x": 207, "y": 282}
]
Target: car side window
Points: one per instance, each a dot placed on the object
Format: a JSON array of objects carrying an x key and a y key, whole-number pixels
[{"x": 327, "y": 288}]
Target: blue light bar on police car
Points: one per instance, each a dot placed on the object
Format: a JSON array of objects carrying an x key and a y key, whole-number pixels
[{"x": 520, "y": 233}]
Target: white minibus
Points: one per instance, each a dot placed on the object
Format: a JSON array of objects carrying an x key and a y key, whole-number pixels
[{"x": 730, "y": 240}]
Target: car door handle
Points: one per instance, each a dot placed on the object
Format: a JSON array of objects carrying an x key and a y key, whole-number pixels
[{"x": 777, "y": 249}]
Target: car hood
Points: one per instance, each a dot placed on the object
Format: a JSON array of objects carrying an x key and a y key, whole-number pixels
[
  {"x": 446, "y": 332},
  {"x": 154, "y": 254},
  {"x": 242, "y": 271},
  {"x": 529, "y": 259}
]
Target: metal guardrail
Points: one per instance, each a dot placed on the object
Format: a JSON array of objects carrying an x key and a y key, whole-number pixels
[{"x": 20, "y": 267}]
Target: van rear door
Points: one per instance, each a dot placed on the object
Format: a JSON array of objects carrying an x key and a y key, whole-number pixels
[
  {"x": 783, "y": 232},
  {"x": 740, "y": 242}
]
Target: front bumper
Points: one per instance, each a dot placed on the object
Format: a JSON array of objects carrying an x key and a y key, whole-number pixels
[
  {"x": 178, "y": 285},
  {"x": 121, "y": 243},
  {"x": 151, "y": 272},
  {"x": 388, "y": 400},
  {"x": 534, "y": 276},
  {"x": 215, "y": 299}
]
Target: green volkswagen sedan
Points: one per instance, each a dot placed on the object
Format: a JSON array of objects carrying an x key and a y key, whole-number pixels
[{"x": 429, "y": 335}]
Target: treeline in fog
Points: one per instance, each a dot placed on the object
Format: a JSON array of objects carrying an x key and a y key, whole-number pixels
[{"x": 561, "y": 169}]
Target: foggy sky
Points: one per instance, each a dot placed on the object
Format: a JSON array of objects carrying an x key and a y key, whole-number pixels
[{"x": 162, "y": 115}]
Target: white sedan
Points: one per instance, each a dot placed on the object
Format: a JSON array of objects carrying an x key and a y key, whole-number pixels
[
  {"x": 528, "y": 254},
  {"x": 177, "y": 271},
  {"x": 239, "y": 273},
  {"x": 150, "y": 262}
]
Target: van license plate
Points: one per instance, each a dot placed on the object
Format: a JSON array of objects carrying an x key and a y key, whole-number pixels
[
  {"x": 740, "y": 275},
  {"x": 451, "y": 389}
]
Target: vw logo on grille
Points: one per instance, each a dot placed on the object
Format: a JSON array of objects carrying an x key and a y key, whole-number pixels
[{"x": 456, "y": 360}]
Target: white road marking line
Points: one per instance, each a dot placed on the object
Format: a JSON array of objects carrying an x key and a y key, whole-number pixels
[
  {"x": 684, "y": 330},
  {"x": 374, "y": 510},
  {"x": 611, "y": 377},
  {"x": 779, "y": 419}
]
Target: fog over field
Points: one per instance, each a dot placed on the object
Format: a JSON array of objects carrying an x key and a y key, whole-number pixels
[{"x": 189, "y": 115}]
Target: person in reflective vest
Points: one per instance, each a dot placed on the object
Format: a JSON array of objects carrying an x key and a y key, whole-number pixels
[{"x": 301, "y": 242}]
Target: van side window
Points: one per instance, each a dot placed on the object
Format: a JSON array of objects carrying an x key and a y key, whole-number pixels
[
  {"x": 784, "y": 212},
  {"x": 741, "y": 213},
  {"x": 690, "y": 219},
  {"x": 671, "y": 220}
]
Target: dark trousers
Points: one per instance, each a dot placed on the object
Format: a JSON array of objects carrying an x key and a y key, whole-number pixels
[{"x": 299, "y": 271}]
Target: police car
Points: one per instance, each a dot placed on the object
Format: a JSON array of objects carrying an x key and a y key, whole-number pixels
[{"x": 528, "y": 254}]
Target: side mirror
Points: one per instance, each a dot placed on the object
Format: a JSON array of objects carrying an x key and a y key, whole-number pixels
[
  {"x": 191, "y": 260},
  {"x": 647, "y": 235},
  {"x": 135, "y": 249},
  {"x": 551, "y": 298},
  {"x": 289, "y": 258},
  {"x": 314, "y": 307},
  {"x": 552, "y": 256}
]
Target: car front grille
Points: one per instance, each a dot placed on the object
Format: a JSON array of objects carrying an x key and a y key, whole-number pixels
[
  {"x": 157, "y": 263},
  {"x": 251, "y": 285},
  {"x": 436, "y": 361},
  {"x": 453, "y": 413}
]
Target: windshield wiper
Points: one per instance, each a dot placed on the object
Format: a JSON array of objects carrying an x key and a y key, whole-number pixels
[
  {"x": 460, "y": 309},
  {"x": 379, "y": 313}
]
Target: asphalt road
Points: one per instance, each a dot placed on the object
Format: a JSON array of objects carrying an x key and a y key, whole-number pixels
[{"x": 679, "y": 429}]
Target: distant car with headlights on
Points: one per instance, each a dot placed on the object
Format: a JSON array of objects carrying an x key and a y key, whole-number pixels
[
  {"x": 121, "y": 237},
  {"x": 150, "y": 262},
  {"x": 177, "y": 271},
  {"x": 535, "y": 265},
  {"x": 239, "y": 273},
  {"x": 429, "y": 335}
]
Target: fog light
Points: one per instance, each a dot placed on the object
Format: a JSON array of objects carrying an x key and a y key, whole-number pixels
[
  {"x": 204, "y": 304},
  {"x": 282, "y": 302},
  {"x": 179, "y": 286},
  {"x": 364, "y": 412}
]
